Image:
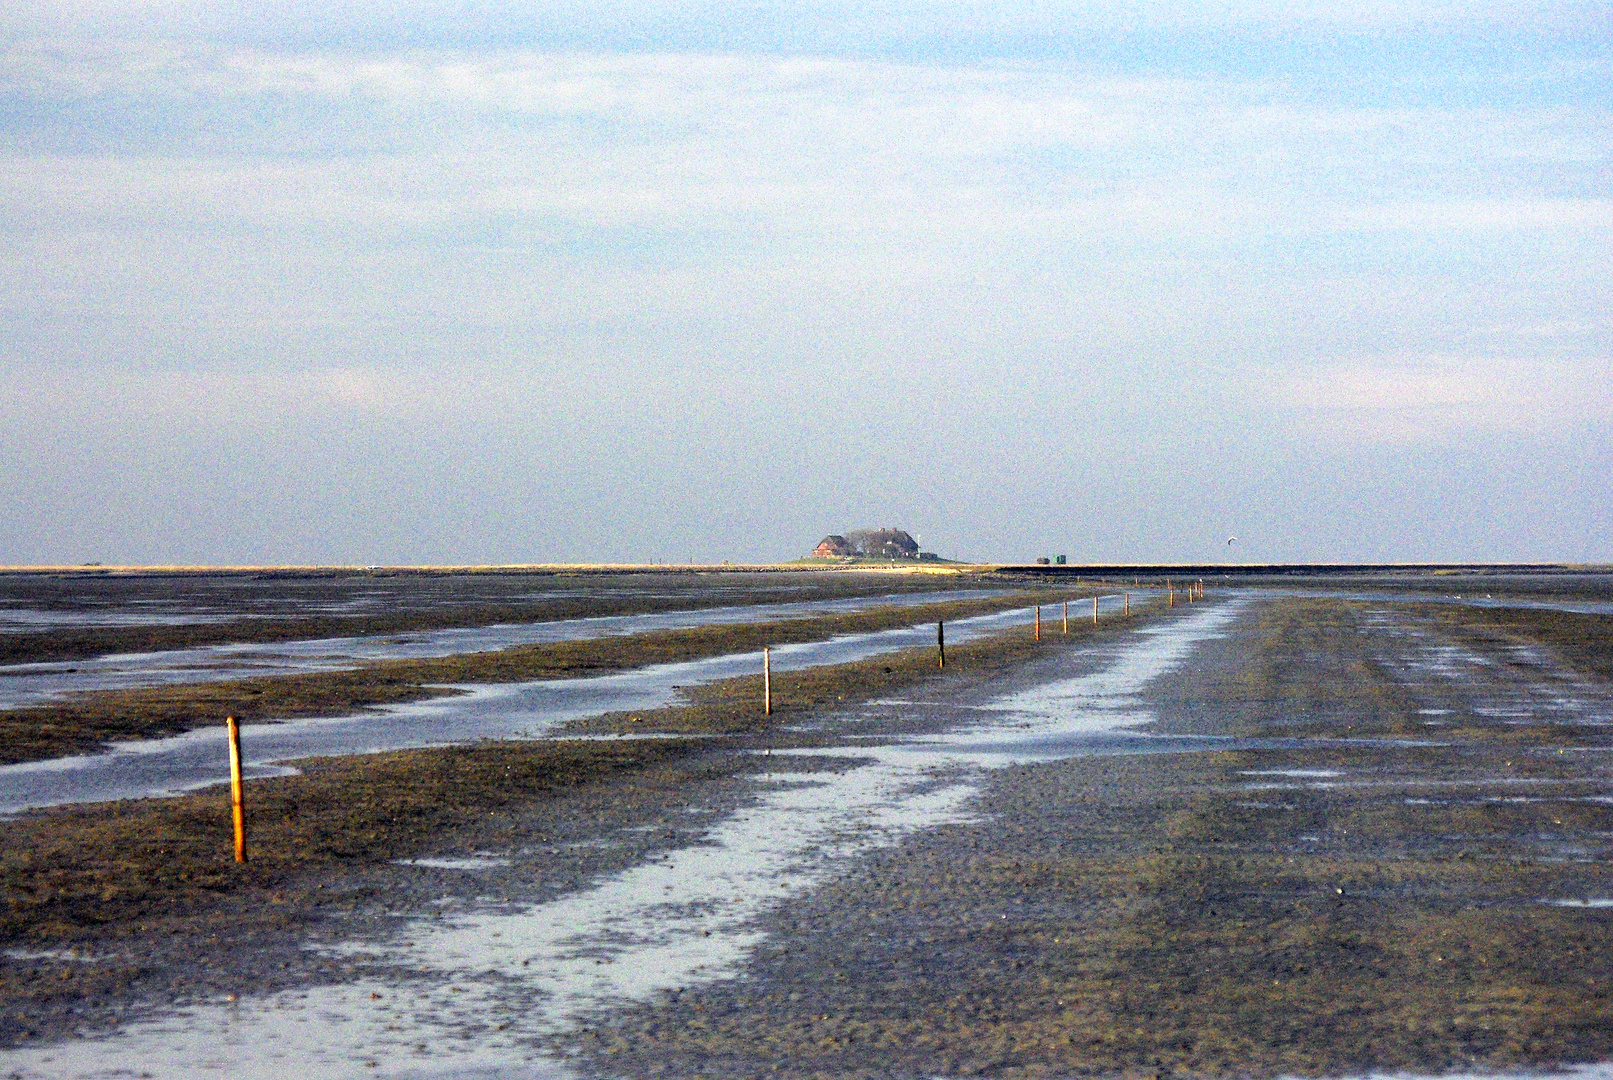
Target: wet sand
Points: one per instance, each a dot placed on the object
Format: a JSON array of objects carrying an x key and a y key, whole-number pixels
[{"x": 1348, "y": 837}]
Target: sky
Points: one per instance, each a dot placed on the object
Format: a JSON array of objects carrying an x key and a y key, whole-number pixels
[{"x": 471, "y": 281}]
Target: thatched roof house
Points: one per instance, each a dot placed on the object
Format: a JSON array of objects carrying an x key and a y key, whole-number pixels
[
  {"x": 832, "y": 546},
  {"x": 868, "y": 543}
]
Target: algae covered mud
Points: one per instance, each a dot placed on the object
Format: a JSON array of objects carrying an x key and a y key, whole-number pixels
[{"x": 1267, "y": 834}]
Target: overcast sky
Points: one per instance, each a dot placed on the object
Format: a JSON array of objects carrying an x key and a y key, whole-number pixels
[{"x": 460, "y": 281}]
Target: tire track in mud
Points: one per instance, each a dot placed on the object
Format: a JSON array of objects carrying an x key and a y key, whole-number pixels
[{"x": 1366, "y": 891}]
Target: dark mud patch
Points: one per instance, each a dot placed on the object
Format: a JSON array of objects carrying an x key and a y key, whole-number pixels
[{"x": 1580, "y": 642}]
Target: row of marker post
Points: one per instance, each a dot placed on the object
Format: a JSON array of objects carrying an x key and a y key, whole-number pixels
[
  {"x": 1194, "y": 591},
  {"x": 1125, "y": 600},
  {"x": 238, "y": 795}
]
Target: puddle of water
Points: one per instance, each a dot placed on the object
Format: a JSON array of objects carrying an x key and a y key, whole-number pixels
[
  {"x": 1060, "y": 719},
  {"x": 72, "y": 955},
  {"x": 1321, "y": 774},
  {"x": 469, "y": 862},
  {"x": 1588, "y": 902},
  {"x": 1288, "y": 787},
  {"x": 489, "y": 986},
  {"x": 1597, "y": 1071}
]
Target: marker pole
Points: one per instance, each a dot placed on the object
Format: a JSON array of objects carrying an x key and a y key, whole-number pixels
[{"x": 237, "y": 796}]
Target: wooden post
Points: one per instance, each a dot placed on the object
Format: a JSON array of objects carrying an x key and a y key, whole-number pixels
[
  {"x": 1170, "y": 594},
  {"x": 1066, "y": 616},
  {"x": 237, "y": 797},
  {"x": 767, "y": 680},
  {"x": 940, "y": 643},
  {"x": 1126, "y": 603},
  {"x": 1038, "y": 622},
  {"x": 1094, "y": 611}
]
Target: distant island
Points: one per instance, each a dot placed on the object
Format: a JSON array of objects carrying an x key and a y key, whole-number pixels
[{"x": 871, "y": 544}]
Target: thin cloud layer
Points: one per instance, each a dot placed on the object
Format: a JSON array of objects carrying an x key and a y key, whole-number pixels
[{"x": 952, "y": 280}]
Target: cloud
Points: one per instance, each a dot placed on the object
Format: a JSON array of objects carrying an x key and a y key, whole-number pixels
[
  {"x": 865, "y": 23},
  {"x": 1427, "y": 398},
  {"x": 674, "y": 141},
  {"x": 211, "y": 396},
  {"x": 1515, "y": 214},
  {"x": 648, "y": 264}
]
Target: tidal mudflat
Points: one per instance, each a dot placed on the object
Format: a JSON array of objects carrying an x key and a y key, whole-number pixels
[
  {"x": 41, "y": 682},
  {"x": 77, "y": 614},
  {"x": 89, "y": 718},
  {"x": 1268, "y": 835},
  {"x": 467, "y": 713}
]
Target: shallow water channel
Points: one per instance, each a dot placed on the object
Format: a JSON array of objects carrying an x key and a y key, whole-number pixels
[
  {"x": 528, "y": 710},
  {"x": 33, "y": 684}
]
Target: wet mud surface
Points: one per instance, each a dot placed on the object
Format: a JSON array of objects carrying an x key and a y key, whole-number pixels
[
  {"x": 22, "y": 685},
  {"x": 108, "y": 904},
  {"x": 1348, "y": 837},
  {"x": 70, "y": 616},
  {"x": 90, "y": 719},
  {"x": 1347, "y": 900}
]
